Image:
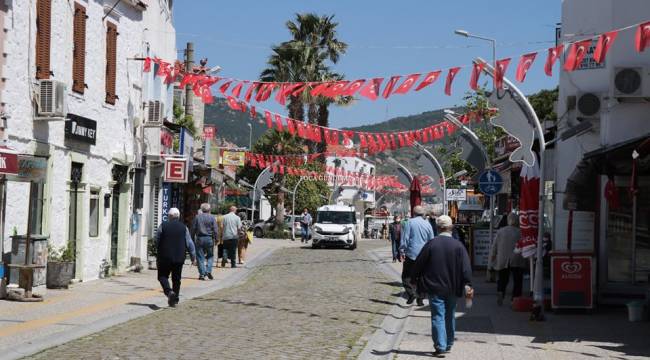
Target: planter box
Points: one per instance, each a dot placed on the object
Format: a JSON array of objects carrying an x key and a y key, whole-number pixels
[
  {"x": 59, "y": 274},
  {"x": 37, "y": 256}
]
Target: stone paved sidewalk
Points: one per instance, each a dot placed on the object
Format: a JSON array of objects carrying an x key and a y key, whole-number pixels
[
  {"x": 89, "y": 307},
  {"x": 487, "y": 331}
]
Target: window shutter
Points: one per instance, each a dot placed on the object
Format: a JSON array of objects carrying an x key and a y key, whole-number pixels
[
  {"x": 79, "y": 51},
  {"x": 111, "y": 62},
  {"x": 43, "y": 26}
]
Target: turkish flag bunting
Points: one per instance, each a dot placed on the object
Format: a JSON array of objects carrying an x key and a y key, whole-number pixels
[
  {"x": 425, "y": 135},
  {"x": 269, "y": 119},
  {"x": 362, "y": 141},
  {"x": 317, "y": 134},
  {"x": 389, "y": 86},
  {"x": 300, "y": 125},
  {"x": 400, "y": 137},
  {"x": 407, "y": 84},
  {"x": 417, "y": 135},
  {"x": 326, "y": 133},
  {"x": 186, "y": 80},
  {"x": 299, "y": 90},
  {"x": 525, "y": 62},
  {"x": 371, "y": 90},
  {"x": 253, "y": 111},
  {"x": 291, "y": 126},
  {"x": 335, "y": 137},
  {"x": 278, "y": 122},
  {"x": 237, "y": 89},
  {"x": 249, "y": 91},
  {"x": 393, "y": 143},
  {"x": 476, "y": 73},
  {"x": 224, "y": 87},
  {"x": 450, "y": 78},
  {"x": 576, "y": 53},
  {"x": 602, "y": 46},
  {"x": 428, "y": 80},
  {"x": 386, "y": 140},
  {"x": 196, "y": 88},
  {"x": 642, "y": 37},
  {"x": 265, "y": 92},
  {"x": 242, "y": 106},
  {"x": 320, "y": 88},
  {"x": 502, "y": 67},
  {"x": 353, "y": 87},
  {"x": 554, "y": 53}
]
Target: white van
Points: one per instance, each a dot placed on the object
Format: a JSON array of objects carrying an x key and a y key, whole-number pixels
[{"x": 335, "y": 225}]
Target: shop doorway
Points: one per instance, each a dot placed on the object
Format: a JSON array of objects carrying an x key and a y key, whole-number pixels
[
  {"x": 119, "y": 177},
  {"x": 76, "y": 172}
]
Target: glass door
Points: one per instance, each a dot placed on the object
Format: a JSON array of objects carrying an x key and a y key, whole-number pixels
[{"x": 115, "y": 224}]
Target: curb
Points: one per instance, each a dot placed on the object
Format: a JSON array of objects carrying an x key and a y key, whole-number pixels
[{"x": 383, "y": 342}]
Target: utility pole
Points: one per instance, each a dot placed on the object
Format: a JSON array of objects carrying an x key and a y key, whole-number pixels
[{"x": 189, "y": 63}]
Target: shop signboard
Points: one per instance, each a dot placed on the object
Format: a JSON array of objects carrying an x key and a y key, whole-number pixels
[
  {"x": 209, "y": 132},
  {"x": 572, "y": 281},
  {"x": 481, "y": 247},
  {"x": 456, "y": 194},
  {"x": 81, "y": 129},
  {"x": 30, "y": 168},
  {"x": 8, "y": 162},
  {"x": 233, "y": 158},
  {"x": 165, "y": 202},
  {"x": 176, "y": 170}
]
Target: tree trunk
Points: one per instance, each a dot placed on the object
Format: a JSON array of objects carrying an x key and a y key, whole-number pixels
[
  {"x": 323, "y": 120},
  {"x": 296, "y": 110},
  {"x": 279, "y": 210},
  {"x": 312, "y": 114}
]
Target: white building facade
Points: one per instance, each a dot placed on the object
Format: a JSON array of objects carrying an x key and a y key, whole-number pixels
[
  {"x": 606, "y": 106},
  {"x": 74, "y": 102}
]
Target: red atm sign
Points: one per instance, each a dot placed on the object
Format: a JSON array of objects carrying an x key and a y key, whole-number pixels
[{"x": 175, "y": 170}]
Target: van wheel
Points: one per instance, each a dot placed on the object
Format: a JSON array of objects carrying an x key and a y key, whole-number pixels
[
  {"x": 258, "y": 233},
  {"x": 353, "y": 246},
  {"x": 314, "y": 246}
]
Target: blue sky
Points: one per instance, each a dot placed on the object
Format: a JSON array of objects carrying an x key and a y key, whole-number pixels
[{"x": 385, "y": 38}]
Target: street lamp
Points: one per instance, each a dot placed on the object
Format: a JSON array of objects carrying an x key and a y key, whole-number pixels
[
  {"x": 293, "y": 205},
  {"x": 466, "y": 34},
  {"x": 250, "y": 136}
]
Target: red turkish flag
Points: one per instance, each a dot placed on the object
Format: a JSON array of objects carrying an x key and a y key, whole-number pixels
[
  {"x": 554, "y": 53},
  {"x": 605, "y": 41},
  {"x": 390, "y": 85},
  {"x": 502, "y": 67},
  {"x": 291, "y": 126},
  {"x": 147, "y": 65},
  {"x": 317, "y": 134},
  {"x": 428, "y": 80},
  {"x": 224, "y": 87},
  {"x": 642, "y": 37},
  {"x": 186, "y": 80},
  {"x": 451, "y": 75},
  {"x": 362, "y": 141},
  {"x": 253, "y": 111},
  {"x": 476, "y": 73},
  {"x": 242, "y": 105},
  {"x": 300, "y": 125},
  {"x": 206, "y": 96},
  {"x": 336, "y": 89},
  {"x": 407, "y": 84},
  {"x": 298, "y": 90},
  {"x": 400, "y": 137},
  {"x": 280, "y": 96},
  {"x": 320, "y": 88},
  {"x": 278, "y": 122},
  {"x": 326, "y": 134},
  {"x": 265, "y": 92},
  {"x": 353, "y": 87},
  {"x": 576, "y": 53},
  {"x": 334, "y": 137},
  {"x": 525, "y": 62},
  {"x": 393, "y": 143},
  {"x": 269, "y": 119},
  {"x": 425, "y": 135},
  {"x": 237, "y": 89},
  {"x": 249, "y": 92},
  {"x": 371, "y": 90},
  {"x": 233, "y": 103}
]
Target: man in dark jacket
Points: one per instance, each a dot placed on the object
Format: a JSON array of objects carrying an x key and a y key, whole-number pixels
[
  {"x": 395, "y": 235},
  {"x": 442, "y": 270},
  {"x": 204, "y": 230},
  {"x": 173, "y": 240}
]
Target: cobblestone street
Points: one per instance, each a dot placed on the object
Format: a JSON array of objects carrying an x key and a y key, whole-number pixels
[{"x": 300, "y": 303}]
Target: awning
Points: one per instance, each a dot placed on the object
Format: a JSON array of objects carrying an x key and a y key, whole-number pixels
[
  {"x": 611, "y": 160},
  {"x": 8, "y": 161}
]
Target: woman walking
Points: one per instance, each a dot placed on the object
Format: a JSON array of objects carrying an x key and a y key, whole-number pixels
[
  {"x": 506, "y": 261},
  {"x": 395, "y": 234}
]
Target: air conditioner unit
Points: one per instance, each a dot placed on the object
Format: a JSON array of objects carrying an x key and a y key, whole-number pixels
[
  {"x": 588, "y": 105},
  {"x": 156, "y": 111},
  {"x": 630, "y": 82},
  {"x": 51, "y": 98}
]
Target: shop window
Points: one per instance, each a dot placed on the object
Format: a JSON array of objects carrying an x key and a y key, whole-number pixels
[
  {"x": 36, "y": 201},
  {"x": 93, "y": 223}
]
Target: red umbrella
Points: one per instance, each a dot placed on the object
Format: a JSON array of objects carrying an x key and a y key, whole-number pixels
[{"x": 416, "y": 194}]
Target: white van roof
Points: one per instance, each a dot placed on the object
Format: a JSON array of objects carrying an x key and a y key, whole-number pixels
[{"x": 340, "y": 208}]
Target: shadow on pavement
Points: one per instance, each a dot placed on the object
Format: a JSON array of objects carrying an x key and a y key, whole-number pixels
[{"x": 153, "y": 307}]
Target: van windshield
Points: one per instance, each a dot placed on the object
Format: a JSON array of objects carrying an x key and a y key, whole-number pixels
[{"x": 335, "y": 217}]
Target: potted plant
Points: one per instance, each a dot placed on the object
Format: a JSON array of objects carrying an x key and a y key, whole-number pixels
[
  {"x": 152, "y": 251},
  {"x": 60, "y": 267}
]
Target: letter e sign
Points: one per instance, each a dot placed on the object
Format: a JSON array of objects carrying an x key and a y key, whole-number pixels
[{"x": 175, "y": 170}]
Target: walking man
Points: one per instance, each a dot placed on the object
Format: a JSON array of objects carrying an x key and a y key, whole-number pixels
[
  {"x": 415, "y": 234},
  {"x": 443, "y": 271},
  {"x": 506, "y": 261},
  {"x": 395, "y": 236},
  {"x": 205, "y": 229},
  {"x": 173, "y": 240},
  {"x": 305, "y": 222},
  {"x": 231, "y": 226}
]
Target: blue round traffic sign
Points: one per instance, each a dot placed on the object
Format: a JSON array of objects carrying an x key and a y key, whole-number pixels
[{"x": 490, "y": 182}]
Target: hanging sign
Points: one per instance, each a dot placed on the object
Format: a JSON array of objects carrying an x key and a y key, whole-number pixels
[
  {"x": 175, "y": 170},
  {"x": 8, "y": 162},
  {"x": 30, "y": 168},
  {"x": 456, "y": 194},
  {"x": 81, "y": 129},
  {"x": 233, "y": 158},
  {"x": 209, "y": 132}
]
